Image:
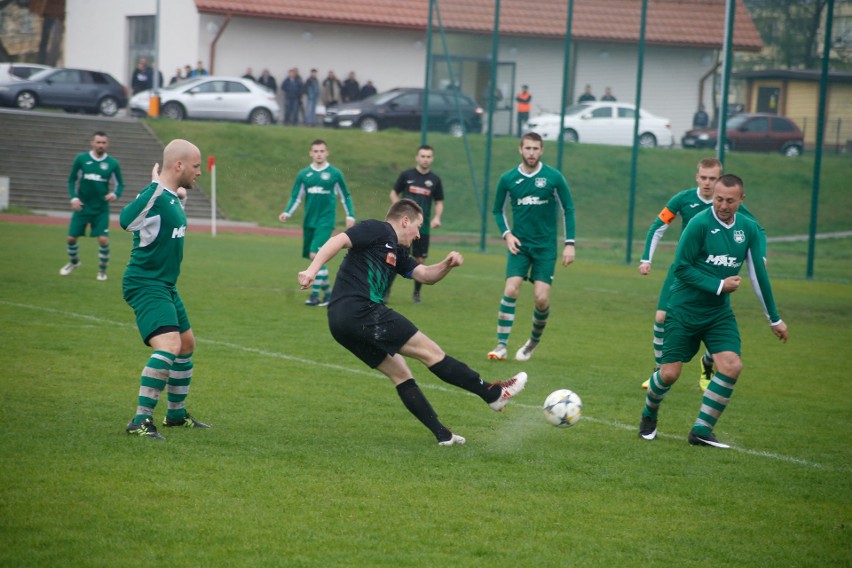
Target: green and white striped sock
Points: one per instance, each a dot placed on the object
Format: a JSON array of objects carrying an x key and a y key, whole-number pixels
[
  {"x": 654, "y": 395},
  {"x": 153, "y": 381},
  {"x": 505, "y": 319},
  {"x": 180, "y": 376},
  {"x": 539, "y": 321},
  {"x": 103, "y": 257},
  {"x": 73, "y": 252},
  {"x": 713, "y": 403},
  {"x": 658, "y": 343}
]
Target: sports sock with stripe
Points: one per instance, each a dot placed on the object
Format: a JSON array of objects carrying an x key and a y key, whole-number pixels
[{"x": 154, "y": 378}]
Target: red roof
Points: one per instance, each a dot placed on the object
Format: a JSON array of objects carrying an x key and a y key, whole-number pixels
[{"x": 692, "y": 23}]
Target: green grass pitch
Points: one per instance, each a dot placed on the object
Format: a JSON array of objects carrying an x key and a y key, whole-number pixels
[{"x": 313, "y": 461}]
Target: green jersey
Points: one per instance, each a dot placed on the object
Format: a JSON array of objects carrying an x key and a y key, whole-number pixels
[
  {"x": 535, "y": 200},
  {"x": 687, "y": 203},
  {"x": 158, "y": 223},
  {"x": 319, "y": 188},
  {"x": 94, "y": 176},
  {"x": 710, "y": 251}
]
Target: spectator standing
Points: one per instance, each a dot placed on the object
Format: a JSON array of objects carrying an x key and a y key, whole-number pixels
[
  {"x": 88, "y": 185},
  {"x": 312, "y": 94},
  {"x": 143, "y": 76},
  {"x": 368, "y": 90},
  {"x": 187, "y": 71},
  {"x": 331, "y": 90},
  {"x": 700, "y": 119},
  {"x": 351, "y": 89},
  {"x": 268, "y": 81},
  {"x": 587, "y": 95},
  {"x": 199, "y": 70},
  {"x": 608, "y": 96},
  {"x": 523, "y": 102},
  {"x": 291, "y": 87},
  {"x": 177, "y": 76},
  {"x": 249, "y": 74}
]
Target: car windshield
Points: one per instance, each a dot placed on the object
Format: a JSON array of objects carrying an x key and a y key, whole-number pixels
[
  {"x": 181, "y": 84},
  {"x": 736, "y": 121},
  {"x": 576, "y": 109},
  {"x": 41, "y": 74}
]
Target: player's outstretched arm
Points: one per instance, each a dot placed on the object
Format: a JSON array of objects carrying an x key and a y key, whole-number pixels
[
  {"x": 436, "y": 272},
  {"x": 326, "y": 252}
]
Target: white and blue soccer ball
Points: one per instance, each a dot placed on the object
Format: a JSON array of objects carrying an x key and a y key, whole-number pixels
[{"x": 563, "y": 408}]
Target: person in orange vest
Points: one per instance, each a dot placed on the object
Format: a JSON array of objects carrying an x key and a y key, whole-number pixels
[{"x": 523, "y": 107}]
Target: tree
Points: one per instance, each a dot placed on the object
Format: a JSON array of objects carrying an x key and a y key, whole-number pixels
[{"x": 791, "y": 33}]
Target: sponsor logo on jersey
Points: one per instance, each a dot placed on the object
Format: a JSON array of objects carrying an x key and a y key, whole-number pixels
[
  {"x": 317, "y": 189},
  {"x": 739, "y": 236},
  {"x": 532, "y": 200},
  {"x": 179, "y": 232},
  {"x": 723, "y": 260},
  {"x": 419, "y": 190},
  {"x": 391, "y": 258},
  {"x": 540, "y": 182},
  {"x": 325, "y": 175},
  {"x": 93, "y": 177}
]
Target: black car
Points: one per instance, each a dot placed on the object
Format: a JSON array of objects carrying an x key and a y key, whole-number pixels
[
  {"x": 70, "y": 89},
  {"x": 449, "y": 111}
]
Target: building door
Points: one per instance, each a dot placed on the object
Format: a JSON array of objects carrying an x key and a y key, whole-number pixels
[
  {"x": 141, "y": 42},
  {"x": 767, "y": 99}
]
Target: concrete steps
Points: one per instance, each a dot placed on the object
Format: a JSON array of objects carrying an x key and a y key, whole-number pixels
[{"x": 38, "y": 148}]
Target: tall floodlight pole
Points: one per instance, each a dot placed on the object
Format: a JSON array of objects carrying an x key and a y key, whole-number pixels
[
  {"x": 566, "y": 68},
  {"x": 634, "y": 158},
  {"x": 424, "y": 120},
  {"x": 495, "y": 44},
  {"x": 730, "y": 10},
  {"x": 823, "y": 87}
]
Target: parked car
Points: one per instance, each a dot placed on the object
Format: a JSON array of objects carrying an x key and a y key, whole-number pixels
[
  {"x": 10, "y": 72},
  {"x": 215, "y": 98},
  {"x": 403, "y": 108},
  {"x": 71, "y": 89},
  {"x": 604, "y": 123},
  {"x": 751, "y": 131}
]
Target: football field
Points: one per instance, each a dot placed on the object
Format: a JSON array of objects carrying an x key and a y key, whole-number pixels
[{"x": 313, "y": 461}]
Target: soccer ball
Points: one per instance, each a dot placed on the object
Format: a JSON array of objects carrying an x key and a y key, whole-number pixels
[{"x": 563, "y": 408}]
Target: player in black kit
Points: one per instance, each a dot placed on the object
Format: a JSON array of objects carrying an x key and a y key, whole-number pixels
[{"x": 381, "y": 337}]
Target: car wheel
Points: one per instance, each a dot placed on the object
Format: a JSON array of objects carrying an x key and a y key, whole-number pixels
[
  {"x": 570, "y": 135},
  {"x": 456, "y": 129},
  {"x": 792, "y": 150},
  {"x": 173, "y": 111},
  {"x": 261, "y": 117},
  {"x": 108, "y": 106},
  {"x": 647, "y": 140},
  {"x": 26, "y": 100},
  {"x": 369, "y": 124}
]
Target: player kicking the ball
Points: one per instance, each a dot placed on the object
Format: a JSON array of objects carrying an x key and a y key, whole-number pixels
[{"x": 381, "y": 337}]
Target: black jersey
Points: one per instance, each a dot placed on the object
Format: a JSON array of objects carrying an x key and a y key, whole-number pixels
[
  {"x": 423, "y": 189},
  {"x": 375, "y": 255}
]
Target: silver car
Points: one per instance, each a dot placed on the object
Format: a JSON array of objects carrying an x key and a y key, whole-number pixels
[{"x": 212, "y": 98}]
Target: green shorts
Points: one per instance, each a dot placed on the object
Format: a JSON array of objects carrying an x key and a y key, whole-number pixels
[
  {"x": 532, "y": 264},
  {"x": 98, "y": 221},
  {"x": 156, "y": 306},
  {"x": 683, "y": 334},
  {"x": 314, "y": 238}
]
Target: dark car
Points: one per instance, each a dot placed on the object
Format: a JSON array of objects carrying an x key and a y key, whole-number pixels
[
  {"x": 403, "y": 108},
  {"x": 70, "y": 89},
  {"x": 753, "y": 132}
]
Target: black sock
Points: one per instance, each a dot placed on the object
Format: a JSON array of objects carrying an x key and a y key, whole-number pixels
[
  {"x": 417, "y": 286},
  {"x": 415, "y": 401},
  {"x": 456, "y": 373}
]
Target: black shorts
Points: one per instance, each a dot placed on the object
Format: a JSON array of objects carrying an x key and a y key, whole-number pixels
[
  {"x": 370, "y": 331},
  {"x": 420, "y": 247}
]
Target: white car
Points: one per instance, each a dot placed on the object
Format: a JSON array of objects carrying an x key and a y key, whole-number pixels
[
  {"x": 10, "y": 72},
  {"x": 215, "y": 98},
  {"x": 604, "y": 123}
]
